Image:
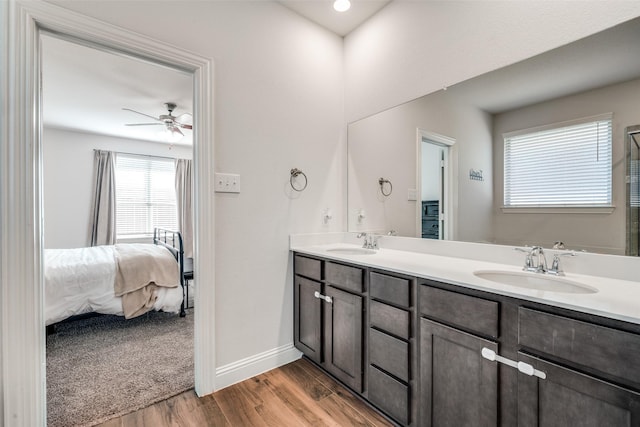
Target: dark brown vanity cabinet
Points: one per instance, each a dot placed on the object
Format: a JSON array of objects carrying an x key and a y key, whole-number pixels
[
  {"x": 587, "y": 367},
  {"x": 328, "y": 316},
  {"x": 390, "y": 371},
  {"x": 567, "y": 397},
  {"x": 308, "y": 307},
  {"x": 458, "y": 387},
  {"x": 591, "y": 371},
  {"x": 429, "y": 353}
]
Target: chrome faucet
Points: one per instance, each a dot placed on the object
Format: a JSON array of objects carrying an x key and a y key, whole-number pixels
[
  {"x": 370, "y": 240},
  {"x": 535, "y": 260}
]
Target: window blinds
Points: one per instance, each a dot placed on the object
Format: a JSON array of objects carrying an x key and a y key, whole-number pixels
[
  {"x": 561, "y": 166},
  {"x": 145, "y": 194},
  {"x": 634, "y": 181}
]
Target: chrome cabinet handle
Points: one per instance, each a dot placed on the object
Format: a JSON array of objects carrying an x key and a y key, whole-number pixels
[
  {"x": 523, "y": 367},
  {"x": 324, "y": 297}
]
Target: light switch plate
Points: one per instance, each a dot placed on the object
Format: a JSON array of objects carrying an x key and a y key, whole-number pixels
[
  {"x": 412, "y": 194},
  {"x": 227, "y": 183}
]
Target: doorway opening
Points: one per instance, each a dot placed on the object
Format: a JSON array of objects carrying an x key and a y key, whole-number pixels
[
  {"x": 23, "y": 305},
  {"x": 435, "y": 192},
  {"x": 98, "y": 105}
]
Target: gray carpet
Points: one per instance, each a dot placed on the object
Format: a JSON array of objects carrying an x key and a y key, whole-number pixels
[{"x": 107, "y": 366}]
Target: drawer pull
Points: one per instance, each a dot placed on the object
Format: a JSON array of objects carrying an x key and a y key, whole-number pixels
[
  {"x": 525, "y": 368},
  {"x": 324, "y": 297}
]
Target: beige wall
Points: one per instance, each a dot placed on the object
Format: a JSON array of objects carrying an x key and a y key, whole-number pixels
[{"x": 601, "y": 232}]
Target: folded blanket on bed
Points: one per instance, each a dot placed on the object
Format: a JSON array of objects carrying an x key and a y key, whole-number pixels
[{"x": 140, "y": 268}]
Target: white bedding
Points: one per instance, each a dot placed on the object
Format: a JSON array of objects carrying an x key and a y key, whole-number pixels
[{"x": 79, "y": 281}]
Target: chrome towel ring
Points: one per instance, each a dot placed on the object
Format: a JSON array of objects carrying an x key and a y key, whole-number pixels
[
  {"x": 295, "y": 172},
  {"x": 382, "y": 182}
]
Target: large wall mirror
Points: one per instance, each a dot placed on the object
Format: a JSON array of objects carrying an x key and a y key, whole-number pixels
[{"x": 434, "y": 167}]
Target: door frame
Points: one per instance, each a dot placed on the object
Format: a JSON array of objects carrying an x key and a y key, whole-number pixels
[
  {"x": 449, "y": 181},
  {"x": 22, "y": 343}
]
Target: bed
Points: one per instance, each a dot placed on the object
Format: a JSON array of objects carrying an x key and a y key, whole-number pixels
[{"x": 123, "y": 279}]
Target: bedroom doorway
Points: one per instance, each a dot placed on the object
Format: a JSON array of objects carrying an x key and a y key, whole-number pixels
[
  {"x": 23, "y": 344},
  {"x": 99, "y": 105}
]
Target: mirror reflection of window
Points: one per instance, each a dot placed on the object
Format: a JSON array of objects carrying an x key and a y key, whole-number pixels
[
  {"x": 633, "y": 190},
  {"x": 567, "y": 164}
]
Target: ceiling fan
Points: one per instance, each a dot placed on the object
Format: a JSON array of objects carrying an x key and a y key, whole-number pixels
[{"x": 172, "y": 123}]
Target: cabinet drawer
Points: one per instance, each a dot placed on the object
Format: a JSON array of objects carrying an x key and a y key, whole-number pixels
[
  {"x": 389, "y": 319},
  {"x": 390, "y": 289},
  {"x": 308, "y": 267},
  {"x": 471, "y": 313},
  {"x": 389, "y": 354},
  {"x": 344, "y": 276},
  {"x": 389, "y": 395},
  {"x": 604, "y": 349}
]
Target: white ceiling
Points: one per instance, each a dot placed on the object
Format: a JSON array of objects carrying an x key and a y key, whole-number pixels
[
  {"x": 342, "y": 23},
  {"x": 84, "y": 89}
]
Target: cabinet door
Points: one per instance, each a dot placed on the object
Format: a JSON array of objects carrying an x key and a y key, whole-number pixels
[
  {"x": 343, "y": 337},
  {"x": 308, "y": 318},
  {"x": 571, "y": 398},
  {"x": 458, "y": 386}
]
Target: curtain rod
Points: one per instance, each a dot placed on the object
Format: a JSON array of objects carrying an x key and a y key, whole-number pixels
[{"x": 142, "y": 155}]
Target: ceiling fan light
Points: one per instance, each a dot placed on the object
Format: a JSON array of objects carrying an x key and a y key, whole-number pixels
[
  {"x": 174, "y": 134},
  {"x": 170, "y": 135},
  {"x": 341, "y": 5}
]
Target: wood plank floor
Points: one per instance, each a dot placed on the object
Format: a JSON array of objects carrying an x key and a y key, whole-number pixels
[{"x": 297, "y": 394}]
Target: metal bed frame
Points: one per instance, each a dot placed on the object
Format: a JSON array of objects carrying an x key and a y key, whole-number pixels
[{"x": 172, "y": 240}]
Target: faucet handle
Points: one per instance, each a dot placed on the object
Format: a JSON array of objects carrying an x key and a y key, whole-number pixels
[
  {"x": 528, "y": 261},
  {"x": 556, "y": 269},
  {"x": 364, "y": 237}
]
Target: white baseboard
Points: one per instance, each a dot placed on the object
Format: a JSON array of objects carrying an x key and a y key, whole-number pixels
[{"x": 255, "y": 365}]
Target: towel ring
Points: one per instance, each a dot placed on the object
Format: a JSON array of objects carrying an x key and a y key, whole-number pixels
[
  {"x": 382, "y": 182},
  {"x": 294, "y": 174}
]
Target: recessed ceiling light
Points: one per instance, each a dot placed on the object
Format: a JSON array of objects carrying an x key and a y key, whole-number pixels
[{"x": 341, "y": 5}]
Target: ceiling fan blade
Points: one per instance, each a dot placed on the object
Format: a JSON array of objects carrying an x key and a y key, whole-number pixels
[
  {"x": 184, "y": 126},
  {"x": 184, "y": 119},
  {"x": 144, "y": 124},
  {"x": 138, "y": 112}
]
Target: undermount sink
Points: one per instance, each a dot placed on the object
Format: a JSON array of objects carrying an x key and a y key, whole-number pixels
[
  {"x": 535, "y": 281},
  {"x": 352, "y": 251}
]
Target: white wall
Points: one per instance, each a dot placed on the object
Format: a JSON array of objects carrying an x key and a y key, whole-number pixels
[
  {"x": 412, "y": 48},
  {"x": 606, "y": 231},
  {"x": 68, "y": 180},
  {"x": 278, "y": 97}
]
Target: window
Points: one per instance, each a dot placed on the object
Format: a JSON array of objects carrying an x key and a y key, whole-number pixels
[
  {"x": 145, "y": 194},
  {"x": 563, "y": 165}
]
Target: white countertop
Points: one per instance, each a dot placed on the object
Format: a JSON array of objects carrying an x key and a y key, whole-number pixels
[{"x": 616, "y": 298}]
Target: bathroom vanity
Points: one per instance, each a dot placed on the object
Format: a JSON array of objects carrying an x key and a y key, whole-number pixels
[{"x": 427, "y": 342}]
